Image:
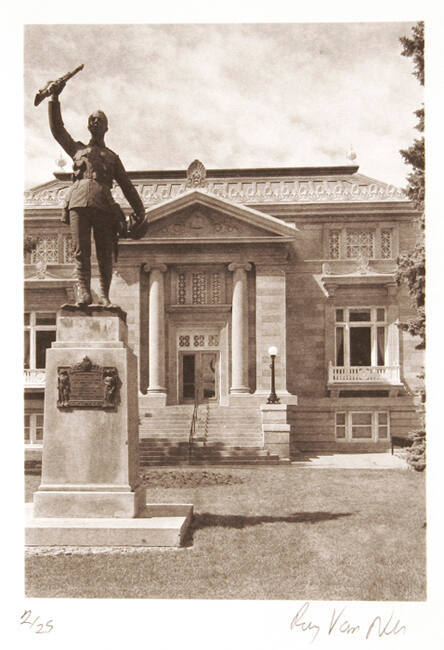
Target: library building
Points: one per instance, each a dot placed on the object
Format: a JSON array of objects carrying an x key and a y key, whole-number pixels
[{"x": 262, "y": 306}]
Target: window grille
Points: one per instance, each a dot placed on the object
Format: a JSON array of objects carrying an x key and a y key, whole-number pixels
[
  {"x": 386, "y": 244},
  {"x": 215, "y": 289},
  {"x": 333, "y": 244},
  {"x": 199, "y": 288},
  {"x": 46, "y": 250},
  {"x": 360, "y": 243},
  {"x": 68, "y": 250},
  {"x": 181, "y": 291}
]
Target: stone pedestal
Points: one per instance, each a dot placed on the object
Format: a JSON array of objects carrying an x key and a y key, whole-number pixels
[
  {"x": 90, "y": 453},
  {"x": 276, "y": 429},
  {"x": 90, "y": 492}
]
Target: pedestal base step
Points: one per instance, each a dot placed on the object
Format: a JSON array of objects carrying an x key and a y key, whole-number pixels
[{"x": 156, "y": 525}]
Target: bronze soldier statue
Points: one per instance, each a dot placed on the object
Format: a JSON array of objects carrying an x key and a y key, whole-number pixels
[{"x": 90, "y": 204}]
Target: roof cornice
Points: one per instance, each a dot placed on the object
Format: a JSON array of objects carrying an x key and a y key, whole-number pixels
[{"x": 260, "y": 172}]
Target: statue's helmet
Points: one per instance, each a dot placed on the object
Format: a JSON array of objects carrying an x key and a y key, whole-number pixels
[{"x": 96, "y": 118}]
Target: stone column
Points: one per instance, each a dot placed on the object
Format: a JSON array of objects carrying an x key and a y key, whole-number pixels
[
  {"x": 239, "y": 328},
  {"x": 156, "y": 329}
]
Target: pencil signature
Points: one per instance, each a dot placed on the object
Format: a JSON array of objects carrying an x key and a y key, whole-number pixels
[{"x": 340, "y": 623}]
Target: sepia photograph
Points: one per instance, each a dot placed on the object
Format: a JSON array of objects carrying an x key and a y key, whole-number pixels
[{"x": 224, "y": 319}]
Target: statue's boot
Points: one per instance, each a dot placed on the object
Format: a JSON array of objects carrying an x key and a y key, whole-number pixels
[
  {"x": 105, "y": 277},
  {"x": 83, "y": 289}
]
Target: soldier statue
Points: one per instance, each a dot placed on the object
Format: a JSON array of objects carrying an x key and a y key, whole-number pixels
[{"x": 89, "y": 203}]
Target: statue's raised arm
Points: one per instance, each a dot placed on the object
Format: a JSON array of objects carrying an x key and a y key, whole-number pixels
[{"x": 89, "y": 202}]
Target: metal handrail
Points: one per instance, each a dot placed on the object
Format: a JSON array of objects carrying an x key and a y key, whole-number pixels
[
  {"x": 207, "y": 419},
  {"x": 193, "y": 428}
]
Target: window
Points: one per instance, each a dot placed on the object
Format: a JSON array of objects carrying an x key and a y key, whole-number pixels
[
  {"x": 386, "y": 244},
  {"x": 197, "y": 286},
  {"x": 46, "y": 250},
  {"x": 333, "y": 244},
  {"x": 33, "y": 428},
  {"x": 68, "y": 250},
  {"x": 40, "y": 332},
  {"x": 360, "y": 243},
  {"x": 356, "y": 243},
  {"x": 360, "y": 336},
  {"x": 52, "y": 249},
  {"x": 362, "y": 426}
]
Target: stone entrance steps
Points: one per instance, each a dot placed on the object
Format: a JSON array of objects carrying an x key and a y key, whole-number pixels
[{"x": 224, "y": 435}]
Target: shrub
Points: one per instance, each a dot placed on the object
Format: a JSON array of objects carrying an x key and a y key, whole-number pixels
[{"x": 416, "y": 452}]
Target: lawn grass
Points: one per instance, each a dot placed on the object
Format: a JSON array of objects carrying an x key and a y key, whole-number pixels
[{"x": 281, "y": 533}]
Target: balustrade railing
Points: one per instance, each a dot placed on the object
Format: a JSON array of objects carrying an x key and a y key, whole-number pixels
[
  {"x": 34, "y": 377},
  {"x": 365, "y": 374}
]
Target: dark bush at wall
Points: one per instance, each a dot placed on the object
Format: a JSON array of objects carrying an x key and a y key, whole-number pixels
[{"x": 416, "y": 451}]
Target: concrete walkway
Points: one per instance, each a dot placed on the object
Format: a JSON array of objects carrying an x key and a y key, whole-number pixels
[{"x": 351, "y": 461}]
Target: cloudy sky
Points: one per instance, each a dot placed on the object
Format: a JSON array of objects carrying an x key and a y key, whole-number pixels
[{"x": 232, "y": 95}]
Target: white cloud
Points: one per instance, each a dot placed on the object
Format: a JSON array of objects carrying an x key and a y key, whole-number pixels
[{"x": 232, "y": 95}]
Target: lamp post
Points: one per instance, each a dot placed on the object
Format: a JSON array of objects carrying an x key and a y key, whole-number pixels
[{"x": 273, "y": 398}]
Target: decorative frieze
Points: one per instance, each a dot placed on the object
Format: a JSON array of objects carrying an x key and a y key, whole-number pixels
[{"x": 257, "y": 191}]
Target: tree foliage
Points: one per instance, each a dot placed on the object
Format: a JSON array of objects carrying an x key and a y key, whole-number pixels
[
  {"x": 414, "y": 47},
  {"x": 29, "y": 244},
  {"x": 411, "y": 265}
]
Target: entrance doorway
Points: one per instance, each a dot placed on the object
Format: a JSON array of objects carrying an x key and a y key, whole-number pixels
[{"x": 199, "y": 377}]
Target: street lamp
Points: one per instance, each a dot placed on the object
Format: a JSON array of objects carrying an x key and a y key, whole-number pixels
[{"x": 273, "y": 398}]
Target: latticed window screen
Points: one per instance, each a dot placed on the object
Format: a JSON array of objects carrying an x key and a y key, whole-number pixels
[
  {"x": 360, "y": 243},
  {"x": 199, "y": 340},
  {"x": 215, "y": 288},
  {"x": 333, "y": 244},
  {"x": 199, "y": 288},
  {"x": 386, "y": 244},
  {"x": 181, "y": 289},
  {"x": 47, "y": 250},
  {"x": 68, "y": 250}
]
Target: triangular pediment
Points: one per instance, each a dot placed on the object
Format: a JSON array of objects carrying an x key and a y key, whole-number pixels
[{"x": 197, "y": 215}]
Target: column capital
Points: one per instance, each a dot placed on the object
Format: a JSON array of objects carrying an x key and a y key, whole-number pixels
[
  {"x": 146, "y": 268},
  {"x": 234, "y": 266}
]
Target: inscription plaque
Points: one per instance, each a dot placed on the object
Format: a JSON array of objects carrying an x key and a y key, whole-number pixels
[{"x": 87, "y": 384}]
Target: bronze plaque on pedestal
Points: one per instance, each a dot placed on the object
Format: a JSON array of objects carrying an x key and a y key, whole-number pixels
[{"x": 88, "y": 385}]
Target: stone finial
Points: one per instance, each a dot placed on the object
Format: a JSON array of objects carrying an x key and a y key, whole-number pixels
[
  {"x": 196, "y": 174},
  {"x": 352, "y": 155},
  {"x": 61, "y": 162}
]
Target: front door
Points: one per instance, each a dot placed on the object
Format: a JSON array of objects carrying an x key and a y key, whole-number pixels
[{"x": 199, "y": 377}]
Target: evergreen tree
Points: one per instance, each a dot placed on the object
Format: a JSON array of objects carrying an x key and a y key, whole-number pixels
[{"x": 411, "y": 265}]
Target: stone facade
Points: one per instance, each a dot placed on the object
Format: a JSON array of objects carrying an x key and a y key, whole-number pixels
[{"x": 236, "y": 261}]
